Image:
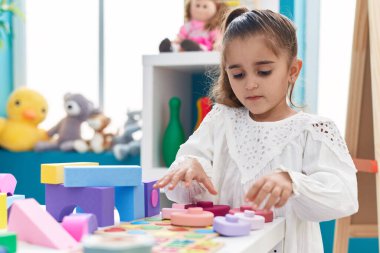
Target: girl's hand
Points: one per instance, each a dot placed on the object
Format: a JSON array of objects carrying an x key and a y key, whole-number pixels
[
  {"x": 186, "y": 171},
  {"x": 277, "y": 185}
]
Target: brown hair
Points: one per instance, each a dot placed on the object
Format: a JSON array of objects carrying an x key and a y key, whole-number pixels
[
  {"x": 216, "y": 21},
  {"x": 279, "y": 31}
]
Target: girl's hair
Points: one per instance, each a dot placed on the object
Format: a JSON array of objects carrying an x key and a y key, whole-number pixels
[
  {"x": 279, "y": 32},
  {"x": 216, "y": 21}
]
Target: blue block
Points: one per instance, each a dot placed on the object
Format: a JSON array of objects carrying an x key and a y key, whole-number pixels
[
  {"x": 129, "y": 202},
  {"x": 152, "y": 199},
  {"x": 102, "y": 176},
  {"x": 11, "y": 199}
]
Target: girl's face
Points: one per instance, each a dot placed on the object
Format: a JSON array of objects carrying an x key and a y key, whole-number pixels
[
  {"x": 259, "y": 78},
  {"x": 202, "y": 10}
]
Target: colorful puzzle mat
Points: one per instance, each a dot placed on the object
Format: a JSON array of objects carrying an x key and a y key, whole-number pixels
[{"x": 169, "y": 238}]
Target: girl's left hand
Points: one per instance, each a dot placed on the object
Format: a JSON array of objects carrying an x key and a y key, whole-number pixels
[{"x": 277, "y": 185}]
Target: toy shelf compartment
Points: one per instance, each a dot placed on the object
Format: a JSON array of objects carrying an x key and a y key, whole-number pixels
[{"x": 185, "y": 75}]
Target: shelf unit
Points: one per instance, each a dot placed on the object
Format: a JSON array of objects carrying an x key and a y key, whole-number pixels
[{"x": 164, "y": 76}]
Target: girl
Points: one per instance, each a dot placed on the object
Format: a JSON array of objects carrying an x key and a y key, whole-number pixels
[{"x": 253, "y": 148}]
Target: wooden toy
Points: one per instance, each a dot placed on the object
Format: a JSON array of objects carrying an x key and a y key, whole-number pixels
[
  {"x": 60, "y": 201},
  {"x": 8, "y": 241},
  {"x": 130, "y": 202},
  {"x": 194, "y": 217},
  {"x": 152, "y": 199},
  {"x": 257, "y": 221},
  {"x": 7, "y": 183},
  {"x": 80, "y": 224},
  {"x": 217, "y": 210},
  {"x": 204, "y": 105},
  {"x": 106, "y": 175},
  {"x": 176, "y": 208},
  {"x": 268, "y": 215},
  {"x": 34, "y": 225},
  {"x": 3, "y": 211},
  {"x": 11, "y": 199},
  {"x": 53, "y": 173},
  {"x": 174, "y": 134},
  {"x": 116, "y": 243},
  {"x": 231, "y": 226}
]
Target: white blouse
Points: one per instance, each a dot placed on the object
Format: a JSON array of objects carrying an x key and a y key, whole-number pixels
[{"x": 235, "y": 151}]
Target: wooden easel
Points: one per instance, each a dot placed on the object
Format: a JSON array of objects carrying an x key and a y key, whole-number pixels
[{"x": 363, "y": 124}]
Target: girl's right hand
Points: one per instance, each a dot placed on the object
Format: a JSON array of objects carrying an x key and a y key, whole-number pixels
[{"x": 188, "y": 170}]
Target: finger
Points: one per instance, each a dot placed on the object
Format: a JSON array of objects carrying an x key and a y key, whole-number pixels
[
  {"x": 163, "y": 181},
  {"x": 178, "y": 176},
  {"x": 209, "y": 186},
  {"x": 263, "y": 193},
  {"x": 189, "y": 176},
  {"x": 274, "y": 198},
  {"x": 254, "y": 189},
  {"x": 284, "y": 198}
]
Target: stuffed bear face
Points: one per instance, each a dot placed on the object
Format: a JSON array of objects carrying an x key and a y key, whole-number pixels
[
  {"x": 76, "y": 105},
  {"x": 72, "y": 108}
]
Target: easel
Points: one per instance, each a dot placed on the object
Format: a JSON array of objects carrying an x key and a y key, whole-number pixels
[{"x": 363, "y": 125}]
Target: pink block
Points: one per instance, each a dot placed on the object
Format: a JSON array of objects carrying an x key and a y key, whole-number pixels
[
  {"x": 194, "y": 217},
  {"x": 7, "y": 183},
  {"x": 36, "y": 226},
  {"x": 80, "y": 224},
  {"x": 178, "y": 208},
  {"x": 256, "y": 221}
]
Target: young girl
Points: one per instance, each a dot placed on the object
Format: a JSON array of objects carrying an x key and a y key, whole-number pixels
[{"x": 253, "y": 148}]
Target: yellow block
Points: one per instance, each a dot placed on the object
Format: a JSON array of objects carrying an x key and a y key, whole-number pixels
[
  {"x": 52, "y": 173},
  {"x": 3, "y": 210}
]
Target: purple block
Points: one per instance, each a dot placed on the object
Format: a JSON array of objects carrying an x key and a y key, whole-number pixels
[
  {"x": 60, "y": 201},
  {"x": 231, "y": 226},
  {"x": 152, "y": 199}
]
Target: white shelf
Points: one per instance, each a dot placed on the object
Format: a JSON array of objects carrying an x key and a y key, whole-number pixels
[{"x": 164, "y": 76}]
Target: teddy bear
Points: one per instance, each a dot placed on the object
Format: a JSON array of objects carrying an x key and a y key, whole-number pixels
[
  {"x": 101, "y": 141},
  {"x": 68, "y": 130},
  {"x": 202, "y": 29},
  {"x": 128, "y": 143}
]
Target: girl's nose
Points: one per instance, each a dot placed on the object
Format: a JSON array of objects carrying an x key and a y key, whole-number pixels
[{"x": 251, "y": 84}]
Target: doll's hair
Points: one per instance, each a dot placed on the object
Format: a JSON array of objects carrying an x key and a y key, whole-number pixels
[
  {"x": 216, "y": 21},
  {"x": 279, "y": 32}
]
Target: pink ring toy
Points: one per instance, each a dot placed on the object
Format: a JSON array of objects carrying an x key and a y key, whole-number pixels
[{"x": 194, "y": 217}]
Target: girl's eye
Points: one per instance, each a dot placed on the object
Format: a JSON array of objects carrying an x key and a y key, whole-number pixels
[
  {"x": 238, "y": 76},
  {"x": 264, "y": 73},
  {"x": 198, "y": 5},
  {"x": 205, "y": 6}
]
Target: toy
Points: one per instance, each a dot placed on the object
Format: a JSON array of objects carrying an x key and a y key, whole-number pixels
[
  {"x": 13, "y": 198},
  {"x": 129, "y": 202},
  {"x": 201, "y": 31},
  {"x": 231, "y": 226},
  {"x": 257, "y": 221},
  {"x": 34, "y": 225},
  {"x": 176, "y": 208},
  {"x": 99, "y": 176},
  {"x": 194, "y": 217},
  {"x": 101, "y": 141},
  {"x": 152, "y": 199},
  {"x": 3, "y": 211},
  {"x": 79, "y": 225},
  {"x": 204, "y": 105},
  {"x": 7, "y": 183},
  {"x": 217, "y": 210},
  {"x": 268, "y": 215},
  {"x": 127, "y": 143},
  {"x": 8, "y": 241},
  {"x": 26, "y": 109},
  {"x": 78, "y": 109},
  {"x": 100, "y": 201},
  {"x": 52, "y": 173}
]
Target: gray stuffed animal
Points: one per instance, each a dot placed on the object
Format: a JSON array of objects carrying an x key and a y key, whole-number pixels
[{"x": 78, "y": 110}]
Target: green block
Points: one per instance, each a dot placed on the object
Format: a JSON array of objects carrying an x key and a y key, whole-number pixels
[{"x": 9, "y": 241}]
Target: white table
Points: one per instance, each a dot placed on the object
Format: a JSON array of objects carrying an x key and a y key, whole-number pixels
[{"x": 269, "y": 239}]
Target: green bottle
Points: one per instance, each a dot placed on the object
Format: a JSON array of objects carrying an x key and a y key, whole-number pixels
[{"x": 174, "y": 135}]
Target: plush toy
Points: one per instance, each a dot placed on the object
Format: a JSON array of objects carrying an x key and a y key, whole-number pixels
[
  {"x": 78, "y": 110},
  {"x": 101, "y": 141},
  {"x": 127, "y": 143},
  {"x": 201, "y": 31},
  {"x": 26, "y": 108}
]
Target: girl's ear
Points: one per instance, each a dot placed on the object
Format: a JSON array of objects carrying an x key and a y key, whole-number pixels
[{"x": 295, "y": 70}]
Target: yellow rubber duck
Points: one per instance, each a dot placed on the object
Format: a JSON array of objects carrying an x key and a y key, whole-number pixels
[{"x": 26, "y": 108}]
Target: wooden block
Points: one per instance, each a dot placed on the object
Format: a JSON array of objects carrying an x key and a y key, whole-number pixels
[
  {"x": 102, "y": 176},
  {"x": 129, "y": 201},
  {"x": 9, "y": 242},
  {"x": 3, "y": 210},
  {"x": 52, "y": 173},
  {"x": 34, "y": 225}
]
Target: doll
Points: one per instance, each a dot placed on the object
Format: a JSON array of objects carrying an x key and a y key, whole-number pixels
[{"x": 201, "y": 30}]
